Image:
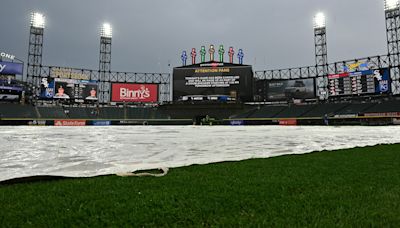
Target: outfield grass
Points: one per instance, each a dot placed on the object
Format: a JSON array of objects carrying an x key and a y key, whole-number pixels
[{"x": 358, "y": 187}]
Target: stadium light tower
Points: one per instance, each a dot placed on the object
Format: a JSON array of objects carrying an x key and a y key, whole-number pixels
[
  {"x": 321, "y": 54},
  {"x": 391, "y": 4},
  {"x": 37, "y": 26},
  {"x": 105, "y": 61},
  {"x": 392, "y": 16}
]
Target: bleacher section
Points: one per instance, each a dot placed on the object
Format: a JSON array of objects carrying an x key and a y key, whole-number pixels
[
  {"x": 52, "y": 112},
  {"x": 387, "y": 106},
  {"x": 321, "y": 110},
  {"x": 9, "y": 110},
  {"x": 294, "y": 111},
  {"x": 81, "y": 113},
  {"x": 191, "y": 111},
  {"x": 111, "y": 113},
  {"x": 161, "y": 114},
  {"x": 355, "y": 109},
  {"x": 267, "y": 112}
]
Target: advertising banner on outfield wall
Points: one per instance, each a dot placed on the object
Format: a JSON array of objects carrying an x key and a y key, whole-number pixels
[
  {"x": 66, "y": 123},
  {"x": 281, "y": 90},
  {"x": 10, "y": 68},
  {"x": 136, "y": 93}
]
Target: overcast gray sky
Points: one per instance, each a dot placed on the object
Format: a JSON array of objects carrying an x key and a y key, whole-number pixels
[{"x": 148, "y": 34}]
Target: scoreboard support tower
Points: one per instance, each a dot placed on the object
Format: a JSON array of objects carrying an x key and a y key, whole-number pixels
[{"x": 392, "y": 16}]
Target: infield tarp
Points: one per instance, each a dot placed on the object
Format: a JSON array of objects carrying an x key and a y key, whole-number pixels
[{"x": 91, "y": 151}]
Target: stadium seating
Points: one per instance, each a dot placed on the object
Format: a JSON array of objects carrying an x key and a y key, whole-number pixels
[
  {"x": 81, "y": 113},
  {"x": 10, "y": 110},
  {"x": 294, "y": 111},
  {"x": 55, "y": 112},
  {"x": 161, "y": 114},
  {"x": 355, "y": 109},
  {"x": 111, "y": 113},
  {"x": 387, "y": 106},
  {"x": 321, "y": 110},
  {"x": 267, "y": 112}
]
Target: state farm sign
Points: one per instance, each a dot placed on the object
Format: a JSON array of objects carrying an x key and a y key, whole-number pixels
[
  {"x": 126, "y": 92},
  {"x": 77, "y": 123}
]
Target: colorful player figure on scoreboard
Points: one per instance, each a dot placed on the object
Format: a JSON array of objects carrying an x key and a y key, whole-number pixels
[
  {"x": 203, "y": 53},
  {"x": 221, "y": 53},
  {"x": 193, "y": 54},
  {"x": 240, "y": 56},
  {"x": 211, "y": 51},
  {"x": 231, "y": 54},
  {"x": 184, "y": 58}
]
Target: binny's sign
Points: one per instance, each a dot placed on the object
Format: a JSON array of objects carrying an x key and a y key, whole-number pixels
[{"x": 7, "y": 56}]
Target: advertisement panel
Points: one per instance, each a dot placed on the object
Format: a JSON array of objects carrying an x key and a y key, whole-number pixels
[
  {"x": 63, "y": 72},
  {"x": 281, "y": 90},
  {"x": 61, "y": 88},
  {"x": 10, "y": 89},
  {"x": 71, "y": 123},
  {"x": 214, "y": 81},
  {"x": 130, "y": 92},
  {"x": 357, "y": 83},
  {"x": 101, "y": 123},
  {"x": 11, "y": 68},
  {"x": 288, "y": 122}
]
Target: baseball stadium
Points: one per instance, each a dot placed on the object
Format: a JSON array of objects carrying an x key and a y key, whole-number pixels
[{"x": 214, "y": 142}]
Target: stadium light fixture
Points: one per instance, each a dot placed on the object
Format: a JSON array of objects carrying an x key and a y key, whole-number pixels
[
  {"x": 37, "y": 20},
  {"x": 319, "y": 20},
  {"x": 106, "y": 30},
  {"x": 391, "y": 4}
]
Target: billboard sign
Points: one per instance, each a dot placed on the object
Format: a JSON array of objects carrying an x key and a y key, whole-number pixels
[
  {"x": 61, "y": 88},
  {"x": 281, "y": 90},
  {"x": 62, "y": 72},
  {"x": 357, "y": 83},
  {"x": 7, "y": 56},
  {"x": 136, "y": 93},
  {"x": 11, "y": 68},
  {"x": 209, "y": 80}
]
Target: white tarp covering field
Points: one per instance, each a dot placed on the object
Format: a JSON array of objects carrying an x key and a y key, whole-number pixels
[{"x": 91, "y": 151}]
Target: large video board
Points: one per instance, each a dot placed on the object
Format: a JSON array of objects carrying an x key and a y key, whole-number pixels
[
  {"x": 61, "y": 88},
  {"x": 215, "y": 79},
  {"x": 134, "y": 93},
  {"x": 282, "y": 90},
  {"x": 358, "y": 83}
]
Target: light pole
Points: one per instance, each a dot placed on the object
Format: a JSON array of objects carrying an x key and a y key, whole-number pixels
[
  {"x": 35, "y": 51},
  {"x": 392, "y": 16},
  {"x": 321, "y": 55},
  {"x": 105, "y": 62}
]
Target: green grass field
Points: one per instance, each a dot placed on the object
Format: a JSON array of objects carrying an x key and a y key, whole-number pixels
[{"x": 357, "y": 187}]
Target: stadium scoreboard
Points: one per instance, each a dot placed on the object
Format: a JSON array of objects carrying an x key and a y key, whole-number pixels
[
  {"x": 212, "y": 81},
  {"x": 358, "y": 83}
]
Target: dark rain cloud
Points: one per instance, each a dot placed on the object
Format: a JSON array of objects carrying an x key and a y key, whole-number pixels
[{"x": 148, "y": 35}]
